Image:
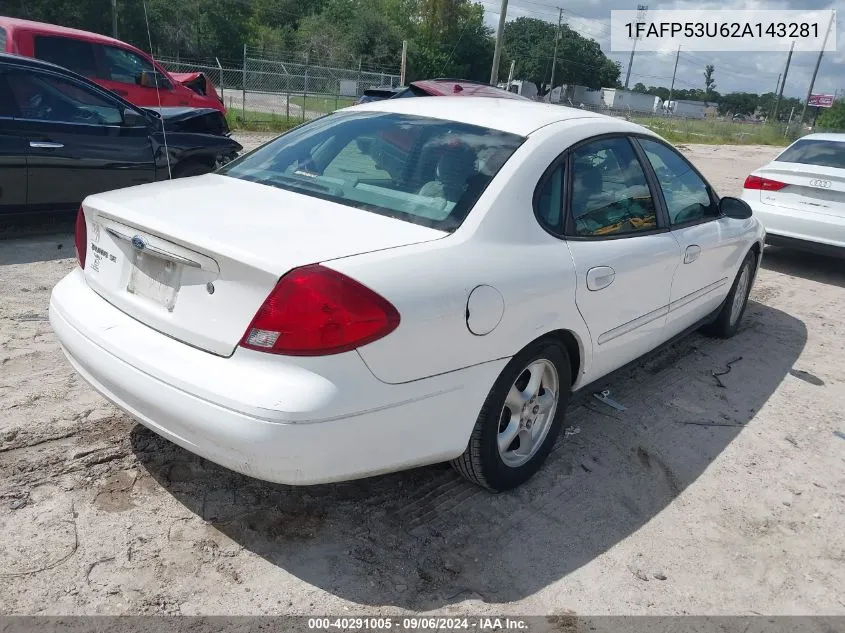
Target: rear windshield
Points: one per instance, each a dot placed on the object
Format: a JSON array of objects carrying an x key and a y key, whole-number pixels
[
  {"x": 815, "y": 152},
  {"x": 421, "y": 170}
]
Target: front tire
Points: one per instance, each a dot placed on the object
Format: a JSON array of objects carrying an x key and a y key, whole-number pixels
[
  {"x": 730, "y": 315},
  {"x": 520, "y": 419}
]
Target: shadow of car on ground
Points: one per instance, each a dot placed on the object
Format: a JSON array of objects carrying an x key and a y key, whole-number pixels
[
  {"x": 425, "y": 538},
  {"x": 806, "y": 265}
]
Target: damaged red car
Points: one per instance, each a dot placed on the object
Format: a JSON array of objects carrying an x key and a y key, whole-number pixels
[{"x": 117, "y": 66}]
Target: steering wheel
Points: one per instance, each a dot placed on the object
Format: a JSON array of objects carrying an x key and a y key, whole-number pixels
[{"x": 38, "y": 108}]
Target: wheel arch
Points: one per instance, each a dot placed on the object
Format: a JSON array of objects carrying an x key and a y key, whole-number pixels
[{"x": 574, "y": 347}]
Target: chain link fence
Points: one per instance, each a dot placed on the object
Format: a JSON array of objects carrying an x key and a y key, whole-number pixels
[{"x": 286, "y": 88}]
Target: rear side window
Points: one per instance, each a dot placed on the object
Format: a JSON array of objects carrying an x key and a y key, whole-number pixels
[
  {"x": 815, "y": 152},
  {"x": 2, "y": 39},
  {"x": 549, "y": 201},
  {"x": 75, "y": 55},
  {"x": 421, "y": 170}
]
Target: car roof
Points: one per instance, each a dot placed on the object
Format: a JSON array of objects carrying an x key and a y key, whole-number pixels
[
  {"x": 520, "y": 117},
  {"x": 55, "y": 29},
  {"x": 824, "y": 136},
  {"x": 462, "y": 88}
]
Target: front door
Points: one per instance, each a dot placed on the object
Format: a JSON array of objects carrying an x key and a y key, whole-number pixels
[
  {"x": 76, "y": 141},
  {"x": 711, "y": 246},
  {"x": 134, "y": 78},
  {"x": 624, "y": 256}
]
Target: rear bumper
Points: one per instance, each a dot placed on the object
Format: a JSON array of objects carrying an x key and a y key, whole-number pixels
[
  {"x": 799, "y": 227},
  {"x": 318, "y": 421}
]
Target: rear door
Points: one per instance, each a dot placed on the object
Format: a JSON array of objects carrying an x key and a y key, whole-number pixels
[
  {"x": 13, "y": 150},
  {"x": 624, "y": 255},
  {"x": 807, "y": 198},
  {"x": 76, "y": 141}
]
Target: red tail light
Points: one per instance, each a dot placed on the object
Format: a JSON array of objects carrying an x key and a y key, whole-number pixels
[
  {"x": 765, "y": 184},
  {"x": 316, "y": 311},
  {"x": 81, "y": 238}
]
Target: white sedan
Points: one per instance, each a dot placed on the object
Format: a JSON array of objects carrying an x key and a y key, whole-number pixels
[
  {"x": 800, "y": 195},
  {"x": 399, "y": 283}
]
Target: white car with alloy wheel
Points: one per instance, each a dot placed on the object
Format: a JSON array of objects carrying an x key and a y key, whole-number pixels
[
  {"x": 800, "y": 196},
  {"x": 400, "y": 283}
]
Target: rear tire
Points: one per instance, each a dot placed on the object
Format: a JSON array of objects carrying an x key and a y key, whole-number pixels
[
  {"x": 733, "y": 309},
  {"x": 520, "y": 419}
]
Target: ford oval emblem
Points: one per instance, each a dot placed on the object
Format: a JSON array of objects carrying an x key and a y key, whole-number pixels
[{"x": 139, "y": 243}]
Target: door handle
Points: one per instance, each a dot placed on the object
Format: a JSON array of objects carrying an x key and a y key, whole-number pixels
[
  {"x": 121, "y": 93},
  {"x": 692, "y": 253},
  {"x": 45, "y": 145},
  {"x": 600, "y": 277}
]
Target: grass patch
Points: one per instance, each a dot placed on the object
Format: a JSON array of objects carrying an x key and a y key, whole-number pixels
[
  {"x": 719, "y": 132},
  {"x": 322, "y": 104},
  {"x": 253, "y": 121}
]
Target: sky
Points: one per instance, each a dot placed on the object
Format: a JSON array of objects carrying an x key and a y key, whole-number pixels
[{"x": 745, "y": 72}]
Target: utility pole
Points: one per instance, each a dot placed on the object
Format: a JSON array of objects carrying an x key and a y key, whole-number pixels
[
  {"x": 777, "y": 87},
  {"x": 404, "y": 62},
  {"x": 114, "y": 19},
  {"x": 674, "y": 72},
  {"x": 557, "y": 41},
  {"x": 641, "y": 10},
  {"x": 782, "y": 83},
  {"x": 500, "y": 36},
  {"x": 818, "y": 63}
]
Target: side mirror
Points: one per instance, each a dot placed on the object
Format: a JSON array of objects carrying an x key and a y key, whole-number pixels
[
  {"x": 735, "y": 208},
  {"x": 153, "y": 79},
  {"x": 133, "y": 118}
]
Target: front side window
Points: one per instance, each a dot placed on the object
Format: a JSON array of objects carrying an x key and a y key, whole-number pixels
[
  {"x": 610, "y": 193},
  {"x": 2, "y": 39},
  {"x": 815, "y": 152},
  {"x": 44, "y": 97},
  {"x": 421, "y": 170},
  {"x": 686, "y": 194},
  {"x": 124, "y": 66},
  {"x": 76, "y": 55}
]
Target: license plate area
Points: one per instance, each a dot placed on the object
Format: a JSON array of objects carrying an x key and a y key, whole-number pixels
[{"x": 156, "y": 279}]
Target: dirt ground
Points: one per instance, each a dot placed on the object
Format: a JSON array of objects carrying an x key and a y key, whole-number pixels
[{"x": 697, "y": 499}]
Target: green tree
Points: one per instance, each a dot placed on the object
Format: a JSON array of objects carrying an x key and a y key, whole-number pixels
[
  {"x": 449, "y": 39},
  {"x": 580, "y": 61},
  {"x": 709, "y": 82},
  {"x": 640, "y": 87},
  {"x": 833, "y": 117},
  {"x": 738, "y": 103}
]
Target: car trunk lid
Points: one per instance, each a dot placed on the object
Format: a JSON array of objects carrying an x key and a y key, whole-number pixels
[
  {"x": 813, "y": 188},
  {"x": 196, "y": 258}
]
